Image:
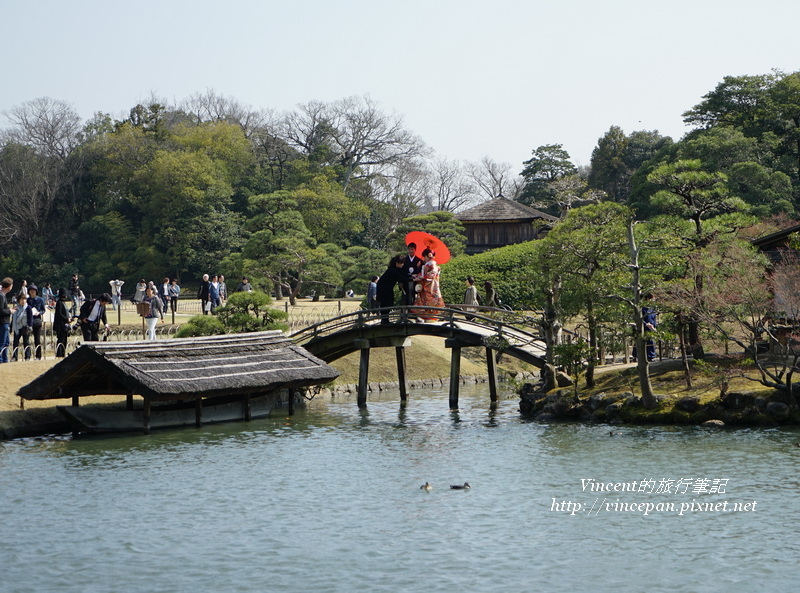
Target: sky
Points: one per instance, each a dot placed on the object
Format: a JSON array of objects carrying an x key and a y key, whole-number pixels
[{"x": 495, "y": 78}]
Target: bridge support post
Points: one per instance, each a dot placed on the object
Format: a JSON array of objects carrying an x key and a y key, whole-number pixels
[
  {"x": 363, "y": 373},
  {"x": 455, "y": 370},
  {"x": 400, "y": 354},
  {"x": 491, "y": 370}
]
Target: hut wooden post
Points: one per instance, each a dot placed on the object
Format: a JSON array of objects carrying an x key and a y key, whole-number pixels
[
  {"x": 290, "y": 403},
  {"x": 455, "y": 370},
  {"x": 400, "y": 354},
  {"x": 146, "y": 415},
  {"x": 198, "y": 412},
  {"x": 491, "y": 370},
  {"x": 76, "y": 401},
  {"x": 363, "y": 372},
  {"x": 248, "y": 408},
  {"x": 129, "y": 400}
]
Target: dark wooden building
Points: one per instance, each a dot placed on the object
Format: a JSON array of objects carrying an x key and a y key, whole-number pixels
[
  {"x": 776, "y": 245},
  {"x": 500, "y": 222}
]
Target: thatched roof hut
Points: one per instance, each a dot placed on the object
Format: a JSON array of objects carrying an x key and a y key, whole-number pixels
[
  {"x": 499, "y": 222},
  {"x": 182, "y": 369}
]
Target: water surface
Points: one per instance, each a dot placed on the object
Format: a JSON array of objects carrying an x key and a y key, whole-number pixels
[{"x": 329, "y": 501}]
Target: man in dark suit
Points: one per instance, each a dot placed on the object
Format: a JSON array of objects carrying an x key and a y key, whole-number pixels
[
  {"x": 92, "y": 313},
  {"x": 411, "y": 265},
  {"x": 204, "y": 294}
]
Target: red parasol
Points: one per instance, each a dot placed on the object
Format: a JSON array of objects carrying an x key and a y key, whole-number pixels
[{"x": 435, "y": 244}]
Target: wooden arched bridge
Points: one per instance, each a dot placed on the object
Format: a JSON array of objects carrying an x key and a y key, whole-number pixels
[{"x": 496, "y": 330}]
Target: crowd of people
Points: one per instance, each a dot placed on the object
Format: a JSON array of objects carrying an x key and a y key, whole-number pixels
[
  {"x": 168, "y": 292},
  {"x": 23, "y": 313},
  {"x": 24, "y": 322}
]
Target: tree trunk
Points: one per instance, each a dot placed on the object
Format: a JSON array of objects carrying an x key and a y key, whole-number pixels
[
  {"x": 642, "y": 364},
  {"x": 684, "y": 358},
  {"x": 551, "y": 328},
  {"x": 278, "y": 291},
  {"x": 591, "y": 363}
]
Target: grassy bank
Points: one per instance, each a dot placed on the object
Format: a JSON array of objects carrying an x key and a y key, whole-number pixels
[{"x": 721, "y": 391}]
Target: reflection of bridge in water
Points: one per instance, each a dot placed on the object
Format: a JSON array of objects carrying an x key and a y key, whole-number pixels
[{"x": 496, "y": 330}]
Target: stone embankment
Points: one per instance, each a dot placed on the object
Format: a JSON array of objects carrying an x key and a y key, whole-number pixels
[
  {"x": 347, "y": 389},
  {"x": 733, "y": 408}
]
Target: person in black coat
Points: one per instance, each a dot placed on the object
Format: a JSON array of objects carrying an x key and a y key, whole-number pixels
[
  {"x": 394, "y": 275},
  {"x": 204, "y": 294},
  {"x": 92, "y": 313},
  {"x": 412, "y": 266},
  {"x": 61, "y": 323}
]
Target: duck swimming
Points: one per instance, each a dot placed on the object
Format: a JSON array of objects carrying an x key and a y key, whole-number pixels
[
  {"x": 426, "y": 486},
  {"x": 466, "y": 486}
]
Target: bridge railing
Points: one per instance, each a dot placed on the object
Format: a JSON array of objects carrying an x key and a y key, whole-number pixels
[{"x": 506, "y": 328}]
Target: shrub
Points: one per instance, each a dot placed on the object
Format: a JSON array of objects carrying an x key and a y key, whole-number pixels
[
  {"x": 508, "y": 268},
  {"x": 250, "y": 312},
  {"x": 201, "y": 325}
]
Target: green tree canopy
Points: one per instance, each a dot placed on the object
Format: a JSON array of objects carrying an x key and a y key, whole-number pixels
[{"x": 548, "y": 163}]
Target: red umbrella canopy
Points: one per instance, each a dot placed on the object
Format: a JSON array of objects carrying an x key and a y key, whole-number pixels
[{"x": 435, "y": 244}]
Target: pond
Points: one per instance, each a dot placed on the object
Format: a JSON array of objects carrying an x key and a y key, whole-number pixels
[{"x": 329, "y": 500}]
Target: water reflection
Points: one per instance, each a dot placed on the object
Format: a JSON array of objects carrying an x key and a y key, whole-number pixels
[{"x": 329, "y": 500}]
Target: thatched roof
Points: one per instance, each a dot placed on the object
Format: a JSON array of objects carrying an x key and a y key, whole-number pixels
[
  {"x": 502, "y": 209},
  {"x": 182, "y": 368}
]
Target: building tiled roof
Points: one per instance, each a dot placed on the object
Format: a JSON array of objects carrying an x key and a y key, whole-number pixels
[
  {"x": 502, "y": 209},
  {"x": 769, "y": 241}
]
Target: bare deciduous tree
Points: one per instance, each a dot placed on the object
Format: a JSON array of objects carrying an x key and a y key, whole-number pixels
[
  {"x": 48, "y": 126},
  {"x": 494, "y": 179},
  {"x": 211, "y": 106},
  {"x": 36, "y": 161},
  {"x": 363, "y": 140},
  {"x": 403, "y": 186},
  {"x": 308, "y": 128},
  {"x": 450, "y": 189}
]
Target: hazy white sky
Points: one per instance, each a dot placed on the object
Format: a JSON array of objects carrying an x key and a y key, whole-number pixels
[{"x": 493, "y": 78}]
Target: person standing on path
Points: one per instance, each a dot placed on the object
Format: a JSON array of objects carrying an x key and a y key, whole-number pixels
[
  {"x": 21, "y": 326},
  {"x": 116, "y": 292},
  {"x": 75, "y": 294},
  {"x": 471, "y": 297},
  {"x": 61, "y": 323},
  {"x": 204, "y": 294},
  {"x": 38, "y": 309},
  {"x": 154, "y": 313},
  {"x": 5, "y": 318}
]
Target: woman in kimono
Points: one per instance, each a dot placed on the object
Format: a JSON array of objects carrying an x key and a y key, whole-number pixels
[{"x": 427, "y": 288}]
